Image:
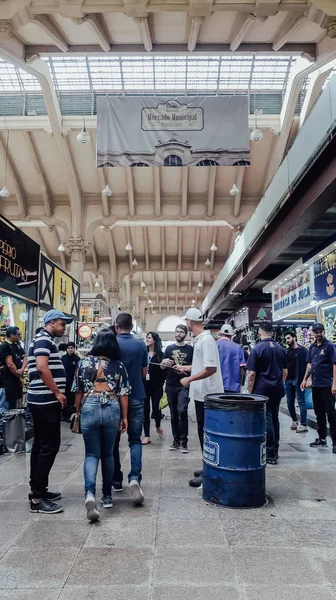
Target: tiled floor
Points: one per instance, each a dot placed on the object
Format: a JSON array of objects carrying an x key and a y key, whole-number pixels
[{"x": 176, "y": 546}]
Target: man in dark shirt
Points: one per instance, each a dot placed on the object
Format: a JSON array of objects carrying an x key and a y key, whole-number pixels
[
  {"x": 266, "y": 372},
  {"x": 70, "y": 361},
  {"x": 179, "y": 354},
  {"x": 13, "y": 360},
  {"x": 322, "y": 369},
  {"x": 297, "y": 358},
  {"x": 134, "y": 355}
]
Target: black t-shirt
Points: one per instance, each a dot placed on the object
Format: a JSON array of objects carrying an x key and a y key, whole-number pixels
[
  {"x": 70, "y": 364},
  {"x": 291, "y": 363},
  {"x": 181, "y": 355},
  {"x": 10, "y": 381}
]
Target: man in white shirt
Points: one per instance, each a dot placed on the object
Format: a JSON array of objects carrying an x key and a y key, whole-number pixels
[{"x": 205, "y": 377}]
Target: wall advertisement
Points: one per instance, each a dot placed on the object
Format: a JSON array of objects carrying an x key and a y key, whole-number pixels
[
  {"x": 325, "y": 278},
  {"x": 293, "y": 295},
  {"x": 58, "y": 289}
]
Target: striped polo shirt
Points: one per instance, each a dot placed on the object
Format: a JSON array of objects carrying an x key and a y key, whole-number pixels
[{"x": 43, "y": 345}]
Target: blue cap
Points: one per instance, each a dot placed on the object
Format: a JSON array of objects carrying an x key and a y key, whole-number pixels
[{"x": 53, "y": 315}]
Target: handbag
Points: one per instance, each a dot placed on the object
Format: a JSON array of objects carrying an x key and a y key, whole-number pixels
[
  {"x": 75, "y": 424},
  {"x": 163, "y": 402}
]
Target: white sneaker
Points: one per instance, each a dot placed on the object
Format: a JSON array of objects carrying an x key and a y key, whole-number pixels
[
  {"x": 92, "y": 512},
  {"x": 137, "y": 493},
  {"x": 294, "y": 425},
  {"x": 301, "y": 429}
]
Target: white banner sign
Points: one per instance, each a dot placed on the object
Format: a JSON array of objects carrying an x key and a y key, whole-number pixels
[
  {"x": 293, "y": 295},
  {"x": 144, "y": 131}
]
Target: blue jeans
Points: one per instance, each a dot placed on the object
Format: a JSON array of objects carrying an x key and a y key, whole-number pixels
[
  {"x": 100, "y": 424},
  {"x": 272, "y": 426},
  {"x": 292, "y": 391},
  {"x": 3, "y": 401},
  {"x": 135, "y": 423}
]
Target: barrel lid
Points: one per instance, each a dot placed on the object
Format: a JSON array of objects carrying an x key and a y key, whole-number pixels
[{"x": 234, "y": 401}]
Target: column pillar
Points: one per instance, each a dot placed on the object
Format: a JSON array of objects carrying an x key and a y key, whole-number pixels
[
  {"x": 113, "y": 290},
  {"x": 77, "y": 248}
]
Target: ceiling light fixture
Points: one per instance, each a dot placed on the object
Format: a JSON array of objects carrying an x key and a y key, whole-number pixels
[
  {"x": 97, "y": 283},
  {"x": 83, "y": 137},
  {"x": 200, "y": 284},
  {"x": 234, "y": 190},
  {"x": 198, "y": 292},
  {"x": 61, "y": 247},
  {"x": 256, "y": 134},
  {"x": 107, "y": 192},
  {"x": 142, "y": 284},
  {"x": 207, "y": 263},
  {"x": 4, "y": 193},
  {"x": 213, "y": 247},
  {"x": 150, "y": 301},
  {"x": 128, "y": 247},
  {"x": 134, "y": 262}
]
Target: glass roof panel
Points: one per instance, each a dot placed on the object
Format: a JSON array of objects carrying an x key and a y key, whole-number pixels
[{"x": 16, "y": 80}]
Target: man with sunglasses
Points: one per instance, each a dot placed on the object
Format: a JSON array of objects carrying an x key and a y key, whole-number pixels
[{"x": 176, "y": 357}]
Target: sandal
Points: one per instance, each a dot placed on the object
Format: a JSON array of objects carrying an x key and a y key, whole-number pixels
[
  {"x": 159, "y": 431},
  {"x": 146, "y": 441}
]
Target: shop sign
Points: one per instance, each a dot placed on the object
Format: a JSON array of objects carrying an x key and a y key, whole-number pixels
[
  {"x": 325, "y": 277},
  {"x": 19, "y": 262},
  {"x": 260, "y": 315},
  {"x": 58, "y": 289},
  {"x": 292, "y": 296},
  {"x": 85, "y": 332}
]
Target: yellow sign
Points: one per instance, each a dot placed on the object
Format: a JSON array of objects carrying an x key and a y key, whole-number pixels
[{"x": 62, "y": 292}]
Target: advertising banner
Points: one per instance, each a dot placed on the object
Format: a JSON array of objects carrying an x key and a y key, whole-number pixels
[
  {"x": 58, "y": 289},
  {"x": 293, "y": 295},
  {"x": 19, "y": 263},
  {"x": 325, "y": 277},
  {"x": 156, "y": 131}
]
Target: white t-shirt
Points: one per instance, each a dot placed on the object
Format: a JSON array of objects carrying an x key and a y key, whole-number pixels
[{"x": 205, "y": 355}]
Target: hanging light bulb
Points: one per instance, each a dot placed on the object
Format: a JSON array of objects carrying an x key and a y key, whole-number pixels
[
  {"x": 4, "y": 193},
  {"x": 83, "y": 137},
  {"x": 200, "y": 284},
  {"x": 97, "y": 283},
  {"x": 150, "y": 301},
  {"x": 134, "y": 262},
  {"x": 142, "y": 284},
  {"x": 234, "y": 190},
  {"x": 256, "y": 135},
  {"x": 207, "y": 263},
  {"x": 213, "y": 247},
  {"x": 61, "y": 247},
  {"x": 198, "y": 292},
  {"x": 107, "y": 192},
  {"x": 193, "y": 302},
  {"x": 128, "y": 247}
]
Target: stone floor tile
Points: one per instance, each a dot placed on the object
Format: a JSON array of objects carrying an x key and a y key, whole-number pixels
[
  {"x": 324, "y": 559},
  {"x": 9, "y": 532},
  {"x": 281, "y": 565},
  {"x": 288, "y": 592},
  {"x": 270, "y": 533},
  {"x": 315, "y": 534},
  {"x": 193, "y": 565},
  {"x": 190, "y": 533},
  {"x": 199, "y": 592},
  {"x": 44, "y": 568},
  {"x": 32, "y": 594},
  {"x": 123, "y": 533},
  {"x": 101, "y": 592},
  {"x": 63, "y": 535},
  {"x": 195, "y": 508},
  {"x": 117, "y": 566},
  {"x": 306, "y": 510}
]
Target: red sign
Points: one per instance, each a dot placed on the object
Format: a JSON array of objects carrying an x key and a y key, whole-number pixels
[{"x": 85, "y": 332}]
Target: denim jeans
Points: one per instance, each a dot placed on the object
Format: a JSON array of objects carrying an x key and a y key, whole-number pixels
[
  {"x": 135, "y": 423},
  {"x": 178, "y": 400},
  {"x": 100, "y": 424},
  {"x": 293, "y": 390},
  {"x": 3, "y": 401},
  {"x": 272, "y": 426}
]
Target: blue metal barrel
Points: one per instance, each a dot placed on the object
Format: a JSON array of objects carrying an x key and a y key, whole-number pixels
[{"x": 234, "y": 452}]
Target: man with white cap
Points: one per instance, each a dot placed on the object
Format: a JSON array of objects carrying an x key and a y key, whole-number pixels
[
  {"x": 232, "y": 360},
  {"x": 205, "y": 375}
]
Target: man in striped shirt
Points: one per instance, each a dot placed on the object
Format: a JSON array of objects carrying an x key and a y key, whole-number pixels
[{"x": 46, "y": 398}]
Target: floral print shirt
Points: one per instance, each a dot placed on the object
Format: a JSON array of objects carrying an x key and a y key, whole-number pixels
[{"x": 114, "y": 371}]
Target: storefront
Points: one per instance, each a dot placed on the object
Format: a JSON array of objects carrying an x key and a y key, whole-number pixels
[
  {"x": 94, "y": 315},
  {"x": 325, "y": 292},
  {"x": 19, "y": 274},
  {"x": 58, "y": 290},
  {"x": 246, "y": 321}
]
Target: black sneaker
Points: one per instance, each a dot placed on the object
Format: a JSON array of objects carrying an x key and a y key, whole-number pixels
[
  {"x": 117, "y": 486},
  {"x": 49, "y": 496},
  {"x": 198, "y": 473},
  {"x": 184, "y": 448},
  {"x": 197, "y": 482},
  {"x": 318, "y": 443},
  {"x": 45, "y": 507},
  {"x": 175, "y": 445},
  {"x": 334, "y": 449},
  {"x": 271, "y": 460}
]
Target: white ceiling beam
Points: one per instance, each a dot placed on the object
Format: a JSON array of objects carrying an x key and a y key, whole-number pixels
[
  {"x": 241, "y": 26},
  {"x": 317, "y": 80},
  {"x": 94, "y": 257},
  {"x": 184, "y": 191},
  {"x": 196, "y": 250},
  {"x": 267, "y": 8},
  {"x": 153, "y": 282},
  {"x": 179, "y": 248},
  {"x": 163, "y": 248},
  {"x": 190, "y": 282},
  {"x": 211, "y": 190},
  {"x": 45, "y": 188},
  {"x": 157, "y": 191},
  {"x": 291, "y": 24},
  {"x": 146, "y": 247},
  {"x": 240, "y": 172},
  {"x": 98, "y": 26},
  {"x": 129, "y": 240},
  {"x": 112, "y": 255},
  {"x": 142, "y": 23},
  {"x": 90, "y": 282},
  {"x": 166, "y": 283},
  {"x": 178, "y": 280},
  {"x": 195, "y": 28},
  {"x": 11, "y": 170},
  {"x": 101, "y": 172},
  {"x": 45, "y": 22},
  {"x": 130, "y": 191},
  {"x": 214, "y": 239}
]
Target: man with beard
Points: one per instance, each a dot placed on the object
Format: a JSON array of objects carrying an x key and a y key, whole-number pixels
[
  {"x": 322, "y": 368},
  {"x": 297, "y": 357},
  {"x": 175, "y": 358}
]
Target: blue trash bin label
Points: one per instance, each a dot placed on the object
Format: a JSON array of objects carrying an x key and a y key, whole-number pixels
[
  {"x": 263, "y": 454},
  {"x": 210, "y": 451}
]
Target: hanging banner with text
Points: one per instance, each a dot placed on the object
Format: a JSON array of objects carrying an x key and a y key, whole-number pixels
[
  {"x": 293, "y": 295},
  {"x": 325, "y": 277},
  {"x": 152, "y": 131}
]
